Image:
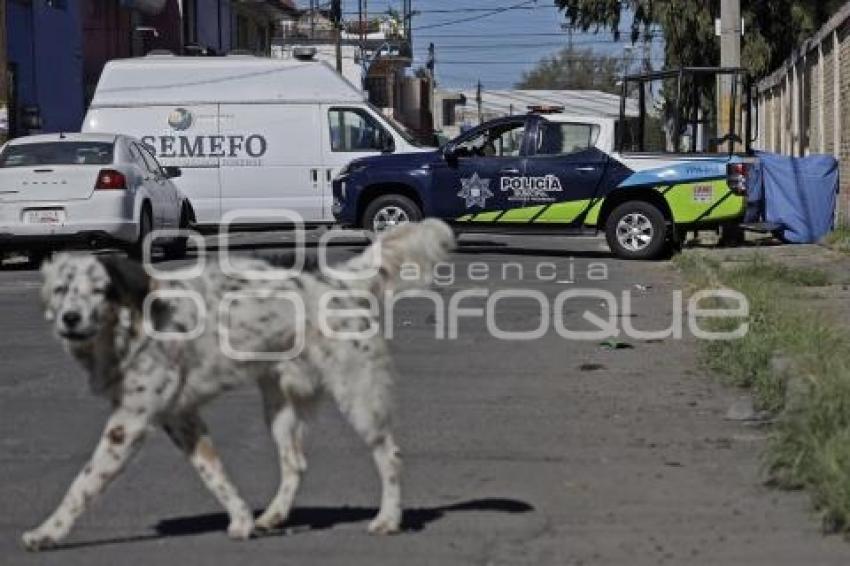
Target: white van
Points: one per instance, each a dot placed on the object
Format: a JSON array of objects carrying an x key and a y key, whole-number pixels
[{"x": 248, "y": 132}]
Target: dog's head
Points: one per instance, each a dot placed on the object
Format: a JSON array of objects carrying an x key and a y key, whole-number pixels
[{"x": 80, "y": 292}]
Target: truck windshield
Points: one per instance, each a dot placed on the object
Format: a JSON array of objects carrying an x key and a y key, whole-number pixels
[{"x": 56, "y": 153}]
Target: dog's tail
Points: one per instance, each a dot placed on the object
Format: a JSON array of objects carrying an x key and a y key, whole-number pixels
[{"x": 401, "y": 258}]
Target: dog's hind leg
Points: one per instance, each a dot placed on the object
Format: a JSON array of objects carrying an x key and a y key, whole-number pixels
[
  {"x": 189, "y": 433},
  {"x": 364, "y": 399},
  {"x": 282, "y": 416}
]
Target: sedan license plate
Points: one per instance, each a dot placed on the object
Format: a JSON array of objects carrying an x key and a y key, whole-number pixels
[{"x": 44, "y": 216}]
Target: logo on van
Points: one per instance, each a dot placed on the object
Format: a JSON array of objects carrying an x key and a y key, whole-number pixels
[{"x": 180, "y": 119}]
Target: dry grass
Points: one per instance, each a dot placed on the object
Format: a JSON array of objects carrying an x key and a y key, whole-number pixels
[{"x": 810, "y": 445}]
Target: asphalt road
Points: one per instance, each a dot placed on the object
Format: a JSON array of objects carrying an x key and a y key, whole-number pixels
[{"x": 548, "y": 451}]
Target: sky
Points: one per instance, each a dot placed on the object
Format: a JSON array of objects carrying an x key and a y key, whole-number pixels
[{"x": 492, "y": 46}]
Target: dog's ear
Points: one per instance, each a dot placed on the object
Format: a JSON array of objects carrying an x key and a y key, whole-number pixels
[
  {"x": 48, "y": 272},
  {"x": 129, "y": 283}
]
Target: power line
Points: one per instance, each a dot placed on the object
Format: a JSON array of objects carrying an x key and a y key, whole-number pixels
[
  {"x": 653, "y": 33},
  {"x": 493, "y": 12},
  {"x": 471, "y": 10},
  {"x": 571, "y": 59},
  {"x": 471, "y": 47}
]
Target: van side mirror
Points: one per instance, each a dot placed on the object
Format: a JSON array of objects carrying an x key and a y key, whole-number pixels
[
  {"x": 172, "y": 172},
  {"x": 387, "y": 144}
]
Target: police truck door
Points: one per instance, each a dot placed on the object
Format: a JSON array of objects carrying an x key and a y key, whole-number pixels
[
  {"x": 477, "y": 178},
  {"x": 565, "y": 160}
]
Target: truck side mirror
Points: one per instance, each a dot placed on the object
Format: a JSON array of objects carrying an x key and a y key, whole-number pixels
[{"x": 450, "y": 151}]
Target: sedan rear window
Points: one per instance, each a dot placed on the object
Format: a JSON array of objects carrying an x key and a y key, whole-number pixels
[{"x": 57, "y": 153}]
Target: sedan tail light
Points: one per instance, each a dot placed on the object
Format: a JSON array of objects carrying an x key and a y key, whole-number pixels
[
  {"x": 110, "y": 179},
  {"x": 736, "y": 177}
]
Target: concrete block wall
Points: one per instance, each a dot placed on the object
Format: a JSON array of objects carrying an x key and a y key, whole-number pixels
[{"x": 804, "y": 106}]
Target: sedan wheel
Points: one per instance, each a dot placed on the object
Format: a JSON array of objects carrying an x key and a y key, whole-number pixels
[{"x": 145, "y": 227}]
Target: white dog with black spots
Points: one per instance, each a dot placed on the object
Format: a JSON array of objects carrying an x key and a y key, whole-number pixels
[{"x": 98, "y": 305}]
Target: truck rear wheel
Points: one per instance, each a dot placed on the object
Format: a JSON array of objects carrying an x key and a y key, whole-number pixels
[
  {"x": 390, "y": 210},
  {"x": 636, "y": 230}
]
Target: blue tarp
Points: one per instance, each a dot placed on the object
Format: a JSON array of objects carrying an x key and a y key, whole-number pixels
[{"x": 798, "y": 193}]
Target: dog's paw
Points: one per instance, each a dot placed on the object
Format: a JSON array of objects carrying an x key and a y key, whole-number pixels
[
  {"x": 384, "y": 525},
  {"x": 241, "y": 528},
  {"x": 269, "y": 521},
  {"x": 38, "y": 539}
]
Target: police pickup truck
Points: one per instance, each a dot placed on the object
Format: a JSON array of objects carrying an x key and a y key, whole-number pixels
[{"x": 546, "y": 172}]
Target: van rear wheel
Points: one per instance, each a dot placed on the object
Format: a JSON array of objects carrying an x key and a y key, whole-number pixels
[
  {"x": 636, "y": 230},
  {"x": 390, "y": 210}
]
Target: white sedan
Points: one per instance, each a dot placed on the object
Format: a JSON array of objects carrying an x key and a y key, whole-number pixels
[{"x": 92, "y": 190}]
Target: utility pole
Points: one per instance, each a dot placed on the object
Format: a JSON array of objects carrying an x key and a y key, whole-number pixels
[
  {"x": 336, "y": 18},
  {"x": 478, "y": 101},
  {"x": 730, "y": 56},
  {"x": 730, "y": 33},
  {"x": 5, "y": 111},
  {"x": 431, "y": 66},
  {"x": 408, "y": 16}
]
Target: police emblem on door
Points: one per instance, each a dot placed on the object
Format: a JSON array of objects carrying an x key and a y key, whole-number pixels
[{"x": 475, "y": 191}]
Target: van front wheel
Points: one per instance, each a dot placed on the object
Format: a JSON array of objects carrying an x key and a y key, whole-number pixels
[
  {"x": 636, "y": 230},
  {"x": 390, "y": 210}
]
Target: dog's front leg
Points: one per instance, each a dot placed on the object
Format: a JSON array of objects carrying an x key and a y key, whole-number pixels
[
  {"x": 122, "y": 437},
  {"x": 189, "y": 433}
]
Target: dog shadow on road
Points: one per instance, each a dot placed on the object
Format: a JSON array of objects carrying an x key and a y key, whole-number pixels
[
  {"x": 313, "y": 519},
  {"x": 320, "y": 518}
]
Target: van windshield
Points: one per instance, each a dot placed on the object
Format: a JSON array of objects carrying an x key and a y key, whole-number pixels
[{"x": 400, "y": 129}]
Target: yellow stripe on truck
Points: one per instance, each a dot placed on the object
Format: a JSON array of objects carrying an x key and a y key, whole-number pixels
[
  {"x": 563, "y": 212},
  {"x": 592, "y": 218},
  {"x": 691, "y": 202},
  {"x": 557, "y": 213},
  {"x": 487, "y": 216},
  {"x": 521, "y": 214}
]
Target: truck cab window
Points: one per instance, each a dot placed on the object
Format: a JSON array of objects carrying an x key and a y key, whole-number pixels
[
  {"x": 554, "y": 138},
  {"x": 503, "y": 140},
  {"x": 354, "y": 130}
]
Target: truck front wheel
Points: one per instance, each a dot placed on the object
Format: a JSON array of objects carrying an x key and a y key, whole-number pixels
[
  {"x": 390, "y": 210},
  {"x": 636, "y": 230}
]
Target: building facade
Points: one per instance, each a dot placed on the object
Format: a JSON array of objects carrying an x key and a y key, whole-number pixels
[
  {"x": 56, "y": 49},
  {"x": 376, "y": 54},
  {"x": 45, "y": 65}
]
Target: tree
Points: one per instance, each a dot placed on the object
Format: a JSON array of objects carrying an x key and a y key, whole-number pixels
[
  {"x": 578, "y": 69},
  {"x": 773, "y": 27}
]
